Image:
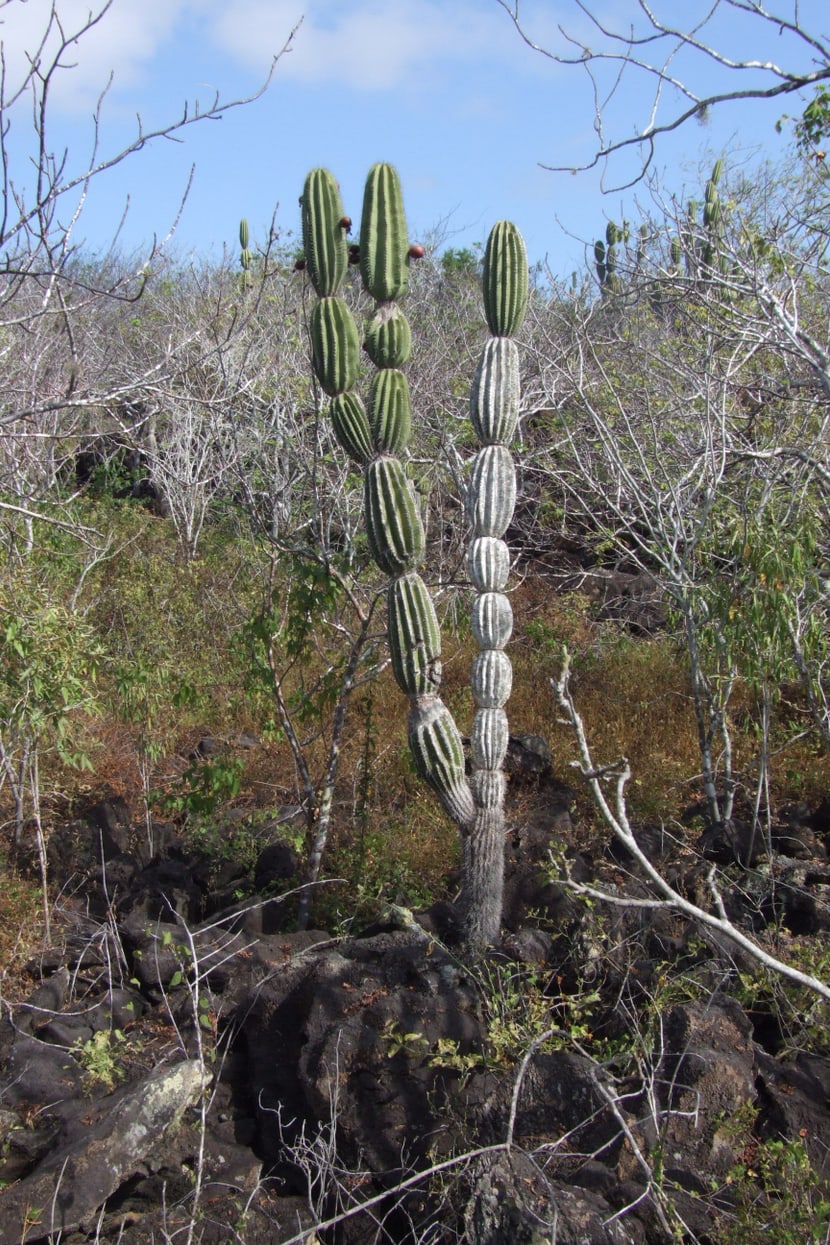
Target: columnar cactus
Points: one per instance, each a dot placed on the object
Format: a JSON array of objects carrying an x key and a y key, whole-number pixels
[
  {"x": 676, "y": 252},
  {"x": 374, "y": 436},
  {"x": 599, "y": 262},
  {"x": 690, "y": 240},
  {"x": 713, "y": 222},
  {"x": 703, "y": 249},
  {"x": 491, "y": 497},
  {"x": 246, "y": 259},
  {"x": 605, "y": 257}
]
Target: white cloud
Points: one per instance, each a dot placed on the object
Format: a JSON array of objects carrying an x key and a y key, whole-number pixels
[
  {"x": 122, "y": 43},
  {"x": 372, "y": 45},
  {"x": 367, "y": 45}
]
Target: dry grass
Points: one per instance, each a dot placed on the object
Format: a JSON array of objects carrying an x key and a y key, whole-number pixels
[
  {"x": 21, "y": 930},
  {"x": 635, "y": 699},
  {"x": 389, "y": 838}
]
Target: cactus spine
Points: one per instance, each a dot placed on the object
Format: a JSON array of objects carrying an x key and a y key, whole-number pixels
[{"x": 375, "y": 436}]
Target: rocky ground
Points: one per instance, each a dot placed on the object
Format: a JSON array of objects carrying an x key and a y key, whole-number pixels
[{"x": 185, "y": 1067}]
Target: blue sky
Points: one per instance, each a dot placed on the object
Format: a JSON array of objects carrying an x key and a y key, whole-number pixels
[{"x": 444, "y": 89}]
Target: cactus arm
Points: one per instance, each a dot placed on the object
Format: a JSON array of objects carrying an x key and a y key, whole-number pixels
[
  {"x": 414, "y": 637},
  {"x": 324, "y": 238},
  {"x": 351, "y": 427},
  {"x": 374, "y": 439},
  {"x": 390, "y": 415},
  {"x": 393, "y": 524},
  {"x": 494, "y": 398},
  {"x": 713, "y": 256},
  {"x": 438, "y": 754},
  {"x": 383, "y": 241},
  {"x": 246, "y": 258}
]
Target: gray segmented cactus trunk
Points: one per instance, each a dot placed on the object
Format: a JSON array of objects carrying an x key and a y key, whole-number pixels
[
  {"x": 491, "y": 497},
  {"x": 374, "y": 436}
]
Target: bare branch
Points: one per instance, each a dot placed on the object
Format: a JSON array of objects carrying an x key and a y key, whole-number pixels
[
  {"x": 643, "y": 55},
  {"x": 51, "y": 184},
  {"x": 616, "y": 818}
]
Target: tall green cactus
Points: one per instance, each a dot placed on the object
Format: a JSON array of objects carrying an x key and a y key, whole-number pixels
[
  {"x": 701, "y": 242},
  {"x": 246, "y": 259},
  {"x": 375, "y": 435},
  {"x": 712, "y": 254},
  {"x": 605, "y": 257},
  {"x": 384, "y": 265}
]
